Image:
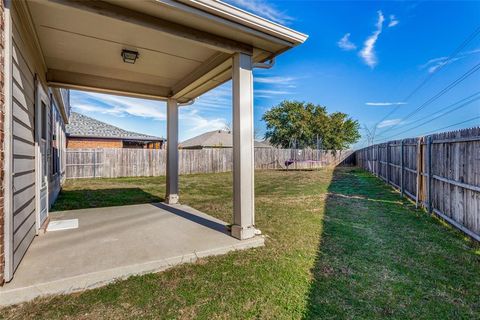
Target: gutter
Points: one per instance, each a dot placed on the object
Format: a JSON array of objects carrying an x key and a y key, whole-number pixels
[{"x": 248, "y": 20}]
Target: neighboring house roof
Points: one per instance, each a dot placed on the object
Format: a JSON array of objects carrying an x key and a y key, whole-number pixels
[
  {"x": 81, "y": 126},
  {"x": 216, "y": 139}
]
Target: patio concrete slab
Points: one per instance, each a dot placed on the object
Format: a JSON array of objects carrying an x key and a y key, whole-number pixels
[{"x": 114, "y": 243}]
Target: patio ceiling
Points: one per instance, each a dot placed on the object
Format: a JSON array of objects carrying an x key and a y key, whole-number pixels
[{"x": 185, "y": 47}]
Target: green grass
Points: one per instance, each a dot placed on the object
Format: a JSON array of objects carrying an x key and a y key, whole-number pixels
[{"x": 340, "y": 244}]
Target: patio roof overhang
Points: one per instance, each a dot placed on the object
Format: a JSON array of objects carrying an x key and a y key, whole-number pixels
[{"x": 185, "y": 47}]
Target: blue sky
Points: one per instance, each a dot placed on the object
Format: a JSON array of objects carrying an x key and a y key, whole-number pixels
[{"x": 361, "y": 58}]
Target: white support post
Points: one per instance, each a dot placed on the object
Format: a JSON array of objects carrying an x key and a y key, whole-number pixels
[
  {"x": 243, "y": 167},
  {"x": 172, "y": 152},
  {"x": 8, "y": 247}
]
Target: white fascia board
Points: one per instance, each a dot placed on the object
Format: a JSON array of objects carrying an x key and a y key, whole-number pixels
[
  {"x": 239, "y": 19},
  {"x": 248, "y": 19}
]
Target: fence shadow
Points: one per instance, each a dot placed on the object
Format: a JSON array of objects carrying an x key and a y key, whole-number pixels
[
  {"x": 380, "y": 257},
  {"x": 96, "y": 198}
]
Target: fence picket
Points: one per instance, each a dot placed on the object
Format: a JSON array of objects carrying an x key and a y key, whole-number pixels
[
  {"x": 440, "y": 172},
  {"x": 113, "y": 163}
]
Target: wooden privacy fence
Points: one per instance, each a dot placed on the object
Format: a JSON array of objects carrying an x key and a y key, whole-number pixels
[
  {"x": 113, "y": 163},
  {"x": 440, "y": 172}
]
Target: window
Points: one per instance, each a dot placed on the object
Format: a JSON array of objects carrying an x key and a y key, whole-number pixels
[
  {"x": 44, "y": 121},
  {"x": 54, "y": 128}
]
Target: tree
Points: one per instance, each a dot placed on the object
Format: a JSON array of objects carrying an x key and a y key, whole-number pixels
[{"x": 302, "y": 125}]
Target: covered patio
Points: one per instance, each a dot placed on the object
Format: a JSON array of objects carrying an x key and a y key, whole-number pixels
[
  {"x": 167, "y": 50},
  {"x": 114, "y": 243},
  {"x": 172, "y": 51}
]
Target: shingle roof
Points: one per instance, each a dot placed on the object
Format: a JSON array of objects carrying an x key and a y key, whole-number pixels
[
  {"x": 216, "y": 139},
  {"x": 82, "y": 126}
]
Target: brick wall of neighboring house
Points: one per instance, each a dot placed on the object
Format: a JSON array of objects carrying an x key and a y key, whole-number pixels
[
  {"x": 83, "y": 143},
  {"x": 2, "y": 114}
]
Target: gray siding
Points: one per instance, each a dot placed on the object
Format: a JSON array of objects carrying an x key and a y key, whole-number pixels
[{"x": 23, "y": 149}]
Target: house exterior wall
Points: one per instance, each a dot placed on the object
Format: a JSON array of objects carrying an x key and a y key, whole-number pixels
[
  {"x": 23, "y": 175},
  {"x": 155, "y": 145},
  {"x": 86, "y": 143},
  {"x": 26, "y": 73},
  {"x": 57, "y": 165},
  {"x": 99, "y": 143},
  {"x": 2, "y": 109}
]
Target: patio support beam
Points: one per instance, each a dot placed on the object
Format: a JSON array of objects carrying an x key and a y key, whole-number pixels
[
  {"x": 243, "y": 169},
  {"x": 172, "y": 152},
  {"x": 88, "y": 82}
]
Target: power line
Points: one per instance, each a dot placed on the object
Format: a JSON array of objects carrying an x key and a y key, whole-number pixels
[
  {"x": 444, "y": 63},
  {"x": 445, "y": 108},
  {"x": 439, "y": 116},
  {"x": 439, "y": 94},
  {"x": 452, "y": 125}
]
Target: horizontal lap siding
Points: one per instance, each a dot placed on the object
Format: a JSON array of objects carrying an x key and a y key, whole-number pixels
[{"x": 23, "y": 149}]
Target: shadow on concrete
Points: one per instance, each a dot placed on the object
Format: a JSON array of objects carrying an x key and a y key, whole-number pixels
[
  {"x": 98, "y": 198},
  {"x": 196, "y": 217}
]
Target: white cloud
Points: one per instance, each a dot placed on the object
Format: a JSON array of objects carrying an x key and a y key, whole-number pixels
[
  {"x": 215, "y": 100},
  {"x": 346, "y": 44},
  {"x": 264, "y": 9},
  {"x": 384, "y": 103},
  {"x": 85, "y": 108},
  {"x": 393, "y": 21},
  {"x": 434, "y": 64},
  {"x": 276, "y": 80},
  {"x": 389, "y": 123},
  {"x": 198, "y": 118},
  {"x": 272, "y": 92},
  {"x": 368, "y": 52},
  {"x": 118, "y": 106},
  {"x": 196, "y": 124}
]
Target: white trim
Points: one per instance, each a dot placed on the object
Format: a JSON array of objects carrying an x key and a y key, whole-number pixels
[
  {"x": 7, "y": 146},
  {"x": 243, "y": 154},
  {"x": 243, "y": 18},
  {"x": 172, "y": 152},
  {"x": 40, "y": 95},
  {"x": 24, "y": 13}
]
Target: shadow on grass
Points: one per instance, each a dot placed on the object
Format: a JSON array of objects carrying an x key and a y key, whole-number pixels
[
  {"x": 96, "y": 198},
  {"x": 380, "y": 257}
]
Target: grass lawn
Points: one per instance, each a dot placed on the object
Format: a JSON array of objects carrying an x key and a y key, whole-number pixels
[{"x": 340, "y": 244}]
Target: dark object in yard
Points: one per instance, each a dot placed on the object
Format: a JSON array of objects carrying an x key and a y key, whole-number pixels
[{"x": 292, "y": 161}]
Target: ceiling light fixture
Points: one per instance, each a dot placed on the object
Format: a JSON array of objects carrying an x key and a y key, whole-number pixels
[{"x": 129, "y": 56}]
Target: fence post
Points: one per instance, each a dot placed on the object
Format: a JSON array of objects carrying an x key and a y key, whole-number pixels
[
  {"x": 419, "y": 166},
  {"x": 387, "y": 173},
  {"x": 401, "y": 169},
  {"x": 429, "y": 168},
  {"x": 94, "y": 162}
]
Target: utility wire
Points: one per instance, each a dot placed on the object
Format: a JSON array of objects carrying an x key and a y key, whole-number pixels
[
  {"x": 445, "y": 108},
  {"x": 439, "y": 116},
  {"x": 446, "y": 62},
  {"x": 452, "y": 125},
  {"x": 439, "y": 94}
]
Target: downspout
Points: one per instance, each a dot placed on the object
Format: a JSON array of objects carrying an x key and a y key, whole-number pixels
[
  {"x": 265, "y": 65},
  {"x": 259, "y": 65},
  {"x": 188, "y": 103}
]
